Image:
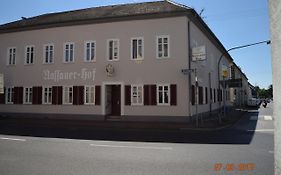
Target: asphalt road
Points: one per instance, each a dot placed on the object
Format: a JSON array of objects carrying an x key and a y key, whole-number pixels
[{"x": 245, "y": 148}]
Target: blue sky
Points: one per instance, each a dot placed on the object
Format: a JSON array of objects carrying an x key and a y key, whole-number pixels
[{"x": 235, "y": 23}]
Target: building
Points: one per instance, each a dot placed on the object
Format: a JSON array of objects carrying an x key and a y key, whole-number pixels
[{"x": 141, "y": 61}]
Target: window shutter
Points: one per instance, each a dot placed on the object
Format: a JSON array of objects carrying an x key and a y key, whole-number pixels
[
  {"x": 18, "y": 93},
  {"x": 2, "y": 97},
  {"x": 39, "y": 95},
  {"x": 34, "y": 95},
  {"x": 59, "y": 95},
  {"x": 97, "y": 95},
  {"x": 128, "y": 95},
  {"x": 173, "y": 93},
  {"x": 78, "y": 95},
  {"x": 193, "y": 95},
  {"x": 81, "y": 95},
  {"x": 54, "y": 95},
  {"x": 153, "y": 94},
  {"x": 146, "y": 94}
]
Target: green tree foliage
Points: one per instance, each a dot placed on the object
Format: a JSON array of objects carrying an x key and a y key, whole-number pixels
[{"x": 264, "y": 93}]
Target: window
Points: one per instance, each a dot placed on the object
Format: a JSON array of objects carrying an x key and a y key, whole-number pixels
[
  {"x": 163, "y": 95},
  {"x": 67, "y": 95},
  {"x": 137, "y": 94},
  {"x": 10, "y": 95},
  {"x": 89, "y": 95},
  {"x": 113, "y": 49},
  {"x": 137, "y": 48},
  {"x": 206, "y": 95},
  {"x": 48, "y": 53},
  {"x": 11, "y": 56},
  {"x": 90, "y": 51},
  {"x": 201, "y": 95},
  {"x": 47, "y": 95},
  {"x": 69, "y": 52},
  {"x": 29, "y": 54},
  {"x": 27, "y": 95},
  {"x": 163, "y": 47}
]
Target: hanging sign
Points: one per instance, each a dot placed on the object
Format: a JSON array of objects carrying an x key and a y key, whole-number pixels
[{"x": 199, "y": 53}]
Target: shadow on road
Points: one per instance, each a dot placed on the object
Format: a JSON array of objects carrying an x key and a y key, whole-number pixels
[{"x": 237, "y": 134}]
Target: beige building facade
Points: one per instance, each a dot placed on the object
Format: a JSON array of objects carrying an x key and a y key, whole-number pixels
[{"x": 129, "y": 65}]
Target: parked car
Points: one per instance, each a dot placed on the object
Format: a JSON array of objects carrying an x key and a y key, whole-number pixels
[{"x": 254, "y": 102}]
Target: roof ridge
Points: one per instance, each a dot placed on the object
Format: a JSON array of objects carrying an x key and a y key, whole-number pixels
[{"x": 177, "y": 4}]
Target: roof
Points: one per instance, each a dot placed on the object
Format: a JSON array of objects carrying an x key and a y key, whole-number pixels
[
  {"x": 94, "y": 14},
  {"x": 133, "y": 11}
]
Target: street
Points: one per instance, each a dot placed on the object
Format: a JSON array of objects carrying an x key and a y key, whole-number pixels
[{"x": 244, "y": 148}]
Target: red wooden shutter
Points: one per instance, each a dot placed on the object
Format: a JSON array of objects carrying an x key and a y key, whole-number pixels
[
  {"x": 54, "y": 95},
  {"x": 97, "y": 95},
  {"x": 173, "y": 94},
  {"x": 153, "y": 95},
  {"x": 39, "y": 95},
  {"x": 128, "y": 95},
  {"x": 146, "y": 94},
  {"x": 18, "y": 93},
  {"x": 2, "y": 97},
  {"x": 81, "y": 95},
  {"x": 59, "y": 95},
  {"x": 78, "y": 95},
  {"x": 34, "y": 95}
]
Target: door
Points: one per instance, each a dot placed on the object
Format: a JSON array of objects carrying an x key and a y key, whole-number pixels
[{"x": 116, "y": 100}]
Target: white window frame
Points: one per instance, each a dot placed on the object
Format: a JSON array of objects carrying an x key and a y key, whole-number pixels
[
  {"x": 163, "y": 95},
  {"x": 49, "y": 91},
  {"x": 49, "y": 53},
  {"x": 11, "y": 56},
  {"x": 168, "y": 49},
  {"x": 25, "y": 56},
  {"x": 29, "y": 97},
  {"x": 65, "y": 90},
  {"x": 64, "y": 52},
  {"x": 142, "y": 48},
  {"x": 118, "y": 48},
  {"x": 11, "y": 91},
  {"x": 89, "y": 95},
  {"x": 138, "y": 103},
  {"x": 92, "y": 56}
]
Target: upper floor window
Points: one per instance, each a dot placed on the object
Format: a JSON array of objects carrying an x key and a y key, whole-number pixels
[
  {"x": 137, "y": 48},
  {"x": 67, "y": 95},
  {"x": 90, "y": 51},
  {"x": 163, "y": 46},
  {"x": 163, "y": 97},
  {"x": 27, "y": 96},
  {"x": 29, "y": 54},
  {"x": 89, "y": 95},
  {"x": 10, "y": 95},
  {"x": 11, "y": 56},
  {"x": 113, "y": 49},
  {"x": 48, "y": 53},
  {"x": 68, "y": 52},
  {"x": 47, "y": 95},
  {"x": 137, "y": 94}
]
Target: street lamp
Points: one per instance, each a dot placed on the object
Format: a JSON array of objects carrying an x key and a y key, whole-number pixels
[{"x": 234, "y": 48}]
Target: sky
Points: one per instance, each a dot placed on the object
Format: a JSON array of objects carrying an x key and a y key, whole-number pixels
[{"x": 234, "y": 22}]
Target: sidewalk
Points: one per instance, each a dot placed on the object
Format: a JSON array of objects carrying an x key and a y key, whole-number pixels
[{"x": 210, "y": 123}]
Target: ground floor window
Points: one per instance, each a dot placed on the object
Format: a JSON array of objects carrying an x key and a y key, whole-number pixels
[
  {"x": 163, "y": 92},
  {"x": 67, "y": 95},
  {"x": 137, "y": 94},
  {"x": 89, "y": 95},
  {"x": 47, "y": 95},
  {"x": 27, "y": 95},
  {"x": 9, "y": 95}
]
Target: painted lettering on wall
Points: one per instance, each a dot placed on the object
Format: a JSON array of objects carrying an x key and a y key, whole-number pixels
[{"x": 59, "y": 75}]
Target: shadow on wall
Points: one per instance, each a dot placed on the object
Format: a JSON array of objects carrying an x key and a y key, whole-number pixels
[{"x": 46, "y": 129}]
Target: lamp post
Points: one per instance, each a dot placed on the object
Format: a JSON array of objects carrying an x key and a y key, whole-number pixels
[{"x": 234, "y": 48}]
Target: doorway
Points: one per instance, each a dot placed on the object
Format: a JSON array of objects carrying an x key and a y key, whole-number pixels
[{"x": 113, "y": 100}]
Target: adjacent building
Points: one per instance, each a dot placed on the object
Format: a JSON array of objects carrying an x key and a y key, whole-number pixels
[{"x": 141, "y": 61}]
